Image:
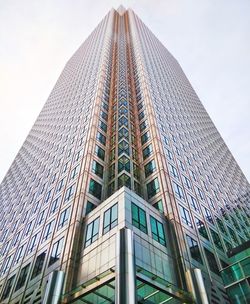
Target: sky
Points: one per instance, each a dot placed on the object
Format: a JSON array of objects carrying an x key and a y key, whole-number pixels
[{"x": 209, "y": 38}]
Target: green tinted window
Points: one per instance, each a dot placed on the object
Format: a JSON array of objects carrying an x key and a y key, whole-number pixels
[
  {"x": 92, "y": 232},
  {"x": 157, "y": 231},
  {"x": 95, "y": 189},
  {"x": 110, "y": 218},
  {"x": 139, "y": 218},
  {"x": 149, "y": 168},
  {"x": 153, "y": 187},
  {"x": 100, "y": 152}
]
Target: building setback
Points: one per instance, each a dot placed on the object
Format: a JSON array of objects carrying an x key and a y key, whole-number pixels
[{"x": 124, "y": 190}]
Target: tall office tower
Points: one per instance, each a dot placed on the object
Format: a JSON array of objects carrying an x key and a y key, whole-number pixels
[{"x": 123, "y": 191}]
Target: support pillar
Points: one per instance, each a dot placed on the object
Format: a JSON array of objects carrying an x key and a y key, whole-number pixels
[{"x": 125, "y": 289}]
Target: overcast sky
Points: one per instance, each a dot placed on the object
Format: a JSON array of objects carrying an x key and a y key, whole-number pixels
[{"x": 209, "y": 38}]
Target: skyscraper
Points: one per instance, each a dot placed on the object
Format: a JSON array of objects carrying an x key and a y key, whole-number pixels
[{"x": 123, "y": 191}]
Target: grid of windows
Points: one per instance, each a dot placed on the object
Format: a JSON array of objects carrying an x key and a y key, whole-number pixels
[{"x": 48, "y": 164}]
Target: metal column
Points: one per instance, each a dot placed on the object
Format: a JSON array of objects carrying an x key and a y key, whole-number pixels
[{"x": 125, "y": 268}]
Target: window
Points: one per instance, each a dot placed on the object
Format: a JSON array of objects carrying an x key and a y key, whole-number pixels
[
  {"x": 97, "y": 169},
  {"x": 56, "y": 251},
  {"x": 8, "y": 287},
  {"x": 199, "y": 193},
  {"x": 28, "y": 228},
  {"x": 124, "y": 180},
  {"x": 169, "y": 155},
  {"x": 92, "y": 232},
  {"x": 178, "y": 191},
  {"x": 149, "y": 168},
  {"x": 186, "y": 182},
  {"x": 38, "y": 265},
  {"x": 48, "y": 196},
  {"x": 147, "y": 151},
  {"x": 74, "y": 172},
  {"x": 99, "y": 152},
  {"x": 103, "y": 126},
  {"x": 153, "y": 187},
  {"x": 64, "y": 217},
  {"x": 69, "y": 193},
  {"x": 123, "y": 164},
  {"x": 185, "y": 216},
  {"x": 112, "y": 171},
  {"x": 19, "y": 254},
  {"x": 139, "y": 218},
  {"x": 101, "y": 138},
  {"x": 123, "y": 147},
  {"x": 194, "y": 249},
  {"x": 110, "y": 218},
  {"x": 208, "y": 215},
  {"x": 159, "y": 206},
  {"x": 211, "y": 261},
  {"x": 216, "y": 239},
  {"x": 48, "y": 230},
  {"x": 95, "y": 189},
  {"x": 173, "y": 171},
  {"x": 33, "y": 242},
  {"x": 143, "y": 125},
  {"x": 22, "y": 277},
  {"x": 141, "y": 115},
  {"x": 55, "y": 205},
  {"x": 6, "y": 264},
  {"x": 201, "y": 228},
  {"x": 193, "y": 202},
  {"x": 41, "y": 218},
  {"x": 181, "y": 164},
  {"x": 157, "y": 231},
  {"x": 89, "y": 207},
  {"x": 192, "y": 173},
  {"x": 60, "y": 185},
  {"x": 221, "y": 226},
  {"x": 145, "y": 137}
]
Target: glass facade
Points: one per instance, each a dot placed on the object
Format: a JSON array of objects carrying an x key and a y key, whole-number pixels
[{"x": 122, "y": 114}]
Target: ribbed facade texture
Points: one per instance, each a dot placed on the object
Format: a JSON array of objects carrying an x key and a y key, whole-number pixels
[{"x": 122, "y": 113}]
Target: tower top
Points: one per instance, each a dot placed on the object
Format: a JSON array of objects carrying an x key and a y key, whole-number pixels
[{"x": 121, "y": 9}]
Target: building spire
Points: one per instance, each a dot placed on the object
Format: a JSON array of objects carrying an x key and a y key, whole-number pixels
[{"x": 121, "y": 9}]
